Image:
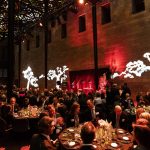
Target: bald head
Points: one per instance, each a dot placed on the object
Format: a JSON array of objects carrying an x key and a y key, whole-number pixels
[
  {"x": 118, "y": 109},
  {"x": 88, "y": 132}
]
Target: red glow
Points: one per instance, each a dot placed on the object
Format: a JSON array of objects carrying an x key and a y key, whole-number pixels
[
  {"x": 115, "y": 59},
  {"x": 77, "y": 38}
]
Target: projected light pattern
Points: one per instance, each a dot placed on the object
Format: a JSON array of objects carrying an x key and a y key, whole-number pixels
[
  {"x": 147, "y": 55},
  {"x": 28, "y": 74},
  {"x": 135, "y": 68},
  {"x": 59, "y": 74},
  {"x": 41, "y": 76}
]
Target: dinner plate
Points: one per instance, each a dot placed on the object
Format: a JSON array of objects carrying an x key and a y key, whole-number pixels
[
  {"x": 113, "y": 144},
  {"x": 125, "y": 138},
  {"x": 71, "y": 143},
  {"x": 121, "y": 131},
  {"x": 71, "y": 130},
  {"x": 95, "y": 146},
  {"x": 15, "y": 115}
]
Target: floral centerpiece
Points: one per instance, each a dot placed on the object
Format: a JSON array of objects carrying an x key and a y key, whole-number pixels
[{"x": 104, "y": 131}]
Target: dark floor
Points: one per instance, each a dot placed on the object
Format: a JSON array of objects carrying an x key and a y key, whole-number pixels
[{"x": 15, "y": 141}]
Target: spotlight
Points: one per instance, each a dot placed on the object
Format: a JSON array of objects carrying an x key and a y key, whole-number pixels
[{"x": 81, "y": 1}]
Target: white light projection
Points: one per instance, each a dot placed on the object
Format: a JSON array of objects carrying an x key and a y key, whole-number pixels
[
  {"x": 41, "y": 76},
  {"x": 59, "y": 74},
  {"x": 28, "y": 74},
  {"x": 135, "y": 68}
]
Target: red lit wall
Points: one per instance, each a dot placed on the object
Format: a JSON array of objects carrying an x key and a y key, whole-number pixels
[{"x": 124, "y": 39}]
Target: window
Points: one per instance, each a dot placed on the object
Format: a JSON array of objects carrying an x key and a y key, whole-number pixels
[
  {"x": 106, "y": 16},
  {"x": 82, "y": 26},
  {"x": 63, "y": 31},
  {"x": 138, "y": 6},
  {"x": 37, "y": 41},
  {"x": 28, "y": 45},
  {"x": 49, "y": 36}
]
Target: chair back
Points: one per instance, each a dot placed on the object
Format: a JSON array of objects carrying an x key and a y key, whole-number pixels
[
  {"x": 3, "y": 125},
  {"x": 21, "y": 125}
]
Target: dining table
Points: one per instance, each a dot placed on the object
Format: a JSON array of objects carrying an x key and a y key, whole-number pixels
[
  {"x": 117, "y": 139},
  {"x": 26, "y": 118}
]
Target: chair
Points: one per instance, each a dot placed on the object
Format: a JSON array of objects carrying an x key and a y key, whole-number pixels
[
  {"x": 21, "y": 125},
  {"x": 5, "y": 133},
  {"x": 4, "y": 128}
]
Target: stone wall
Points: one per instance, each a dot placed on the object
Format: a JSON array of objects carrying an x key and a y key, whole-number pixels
[{"x": 124, "y": 39}]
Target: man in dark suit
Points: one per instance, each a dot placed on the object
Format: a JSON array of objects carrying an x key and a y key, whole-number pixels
[
  {"x": 42, "y": 140},
  {"x": 94, "y": 112},
  {"x": 14, "y": 106},
  {"x": 119, "y": 118},
  {"x": 87, "y": 136}
]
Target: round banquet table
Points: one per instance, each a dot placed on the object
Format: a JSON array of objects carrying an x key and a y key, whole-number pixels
[
  {"x": 121, "y": 140},
  {"x": 25, "y": 122}
]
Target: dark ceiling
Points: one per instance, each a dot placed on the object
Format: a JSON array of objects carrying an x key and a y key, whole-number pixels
[{"x": 28, "y": 13}]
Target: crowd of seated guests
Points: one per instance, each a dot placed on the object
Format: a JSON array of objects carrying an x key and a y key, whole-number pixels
[{"x": 69, "y": 108}]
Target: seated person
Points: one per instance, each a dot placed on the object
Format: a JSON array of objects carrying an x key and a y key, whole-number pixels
[
  {"x": 87, "y": 136},
  {"x": 142, "y": 136},
  {"x": 139, "y": 111},
  {"x": 14, "y": 106},
  {"x": 25, "y": 103},
  {"x": 127, "y": 103},
  {"x": 118, "y": 112},
  {"x": 56, "y": 103},
  {"x": 52, "y": 112},
  {"x": 6, "y": 114},
  {"x": 119, "y": 119},
  {"x": 59, "y": 121},
  {"x": 73, "y": 118},
  {"x": 42, "y": 141},
  {"x": 145, "y": 115},
  {"x": 94, "y": 112},
  {"x": 142, "y": 121}
]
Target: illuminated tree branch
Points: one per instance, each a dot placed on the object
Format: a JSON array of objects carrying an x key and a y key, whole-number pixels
[
  {"x": 28, "y": 74},
  {"x": 136, "y": 68}
]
